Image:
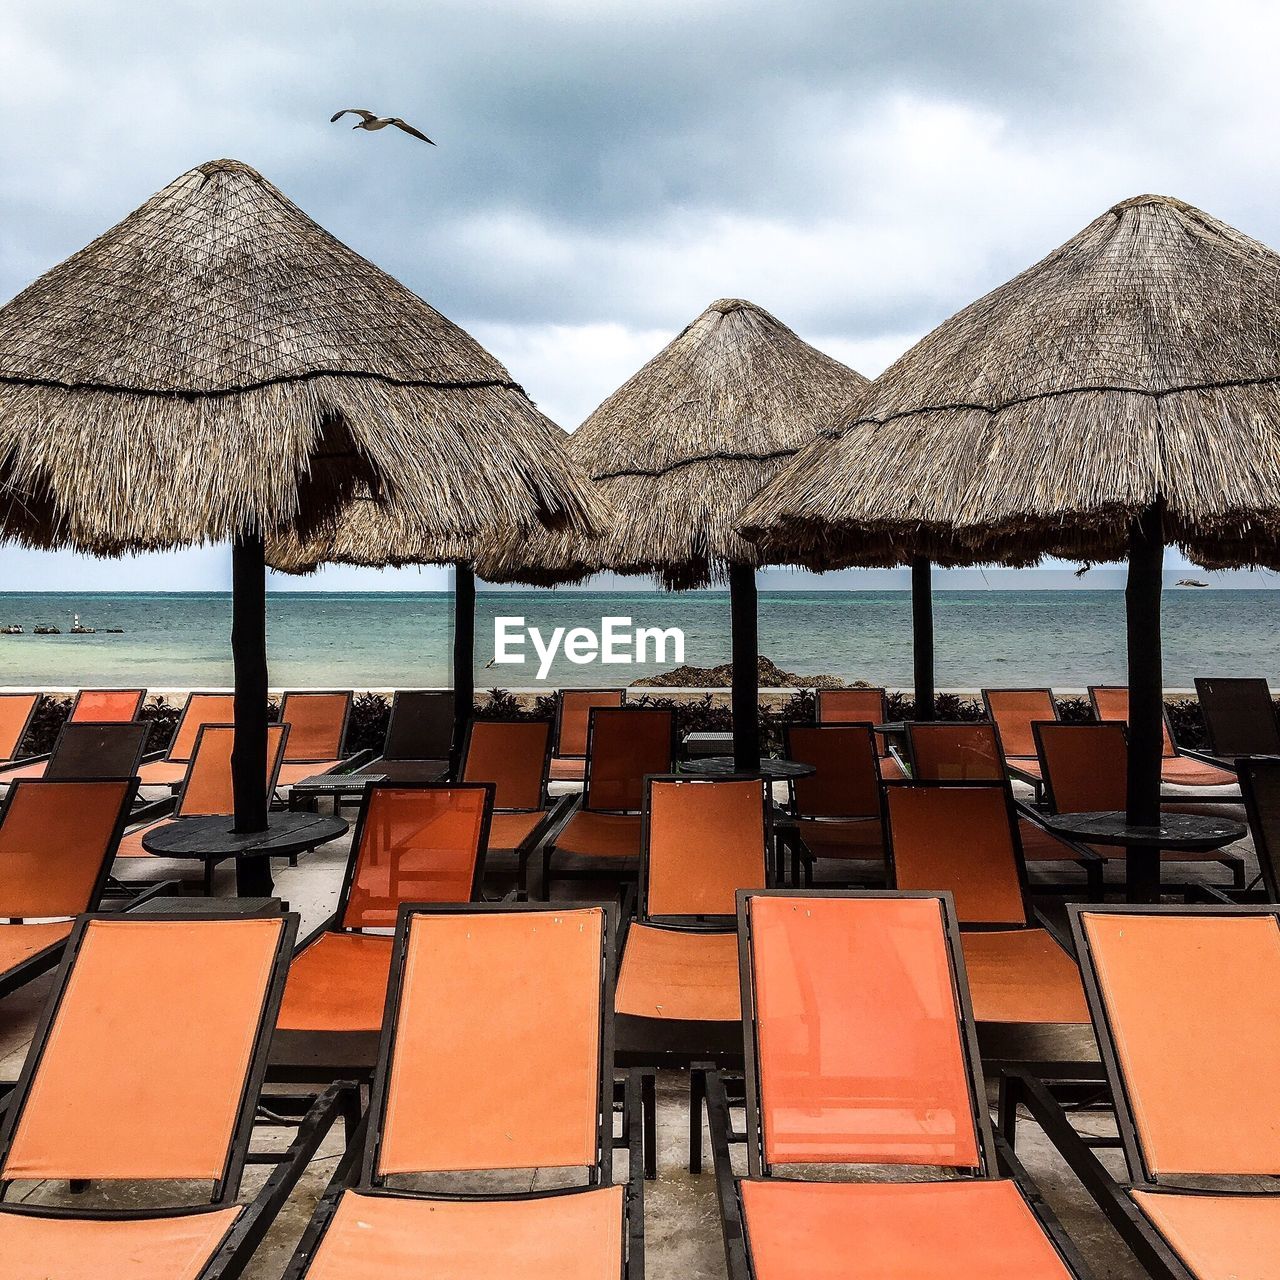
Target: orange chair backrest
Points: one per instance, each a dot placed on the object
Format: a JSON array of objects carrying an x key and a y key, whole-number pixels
[
  {"x": 1111, "y": 702},
  {"x": 575, "y": 716},
  {"x": 1192, "y": 1004},
  {"x": 854, "y": 706},
  {"x": 107, "y": 706},
  {"x": 847, "y": 781},
  {"x": 1014, "y": 711},
  {"x": 16, "y": 710},
  {"x": 414, "y": 844},
  {"x": 859, "y": 1055},
  {"x": 486, "y": 1071},
  {"x": 317, "y": 722},
  {"x": 704, "y": 840},
  {"x": 1085, "y": 766},
  {"x": 56, "y": 840},
  {"x": 955, "y": 752},
  {"x": 959, "y": 838},
  {"x": 143, "y": 1071},
  {"x": 626, "y": 744},
  {"x": 207, "y": 788},
  {"x": 201, "y": 709},
  {"x": 514, "y": 756}
]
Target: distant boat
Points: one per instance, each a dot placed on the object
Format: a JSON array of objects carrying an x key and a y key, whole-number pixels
[
  {"x": 1190, "y": 582},
  {"x": 12, "y": 630},
  {"x": 47, "y": 631}
]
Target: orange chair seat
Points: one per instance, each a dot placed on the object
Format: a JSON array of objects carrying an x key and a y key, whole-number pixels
[
  {"x": 176, "y": 1248},
  {"x": 511, "y": 830},
  {"x": 1187, "y": 772},
  {"x": 1222, "y": 1237},
  {"x": 891, "y": 770},
  {"x": 965, "y": 1230},
  {"x": 1022, "y": 975},
  {"x": 567, "y": 770},
  {"x": 295, "y": 772},
  {"x": 601, "y": 835},
  {"x": 19, "y": 942},
  {"x": 1041, "y": 845},
  {"x": 131, "y": 842},
  {"x": 33, "y": 770},
  {"x": 162, "y": 773},
  {"x": 680, "y": 974},
  {"x": 339, "y": 983},
  {"x": 858, "y": 839},
  {"x": 384, "y": 1237}
]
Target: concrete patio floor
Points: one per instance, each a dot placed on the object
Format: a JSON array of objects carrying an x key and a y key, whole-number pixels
[{"x": 682, "y": 1227}]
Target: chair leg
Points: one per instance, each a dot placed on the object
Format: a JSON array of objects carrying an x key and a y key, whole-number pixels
[
  {"x": 546, "y": 873},
  {"x": 697, "y": 1096},
  {"x": 649, "y": 1107},
  {"x": 1095, "y": 887},
  {"x": 208, "y": 877}
]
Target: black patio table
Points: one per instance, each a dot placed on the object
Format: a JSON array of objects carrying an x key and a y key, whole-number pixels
[
  {"x": 213, "y": 838},
  {"x": 723, "y": 766},
  {"x": 1178, "y": 832}
]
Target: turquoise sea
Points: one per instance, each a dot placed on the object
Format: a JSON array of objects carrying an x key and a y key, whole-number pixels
[{"x": 363, "y": 640}]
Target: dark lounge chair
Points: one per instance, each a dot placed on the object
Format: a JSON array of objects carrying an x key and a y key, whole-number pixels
[
  {"x": 57, "y": 843},
  {"x": 573, "y": 720},
  {"x": 199, "y": 710},
  {"x": 419, "y": 731},
  {"x": 414, "y": 842},
  {"x": 677, "y": 997},
  {"x": 488, "y": 1075},
  {"x": 1239, "y": 717},
  {"x": 1186, "y": 1011},
  {"x": 158, "y": 1088},
  {"x": 86, "y": 750},
  {"x": 963, "y": 837},
  {"x": 867, "y": 705},
  {"x": 860, "y": 1051}
]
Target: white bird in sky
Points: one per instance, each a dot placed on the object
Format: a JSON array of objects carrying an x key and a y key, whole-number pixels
[{"x": 371, "y": 122}]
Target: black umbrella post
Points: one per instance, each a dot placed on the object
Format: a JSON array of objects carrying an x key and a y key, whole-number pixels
[
  {"x": 1146, "y": 675},
  {"x": 922, "y": 636},
  {"x": 464, "y": 658},
  {"x": 745, "y": 697},
  {"x": 249, "y": 657}
]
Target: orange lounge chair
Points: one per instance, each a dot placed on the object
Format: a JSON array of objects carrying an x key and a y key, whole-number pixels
[
  {"x": 57, "y": 842},
  {"x": 85, "y": 751},
  {"x": 487, "y": 1075},
  {"x": 573, "y": 717},
  {"x": 414, "y": 842},
  {"x": 199, "y": 710},
  {"x": 677, "y": 998},
  {"x": 1085, "y": 768},
  {"x": 1179, "y": 768},
  {"x": 963, "y": 837},
  {"x": 17, "y": 710},
  {"x": 1014, "y": 711},
  {"x": 970, "y": 751},
  {"x": 515, "y": 755},
  {"x": 1186, "y": 1008},
  {"x": 317, "y": 723},
  {"x": 106, "y": 706},
  {"x": 860, "y": 1051},
  {"x": 207, "y": 788},
  {"x": 146, "y": 1068},
  {"x": 836, "y": 809},
  {"x": 624, "y": 745},
  {"x": 860, "y": 706}
]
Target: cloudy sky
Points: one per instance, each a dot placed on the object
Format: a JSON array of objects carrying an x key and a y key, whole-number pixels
[{"x": 606, "y": 168}]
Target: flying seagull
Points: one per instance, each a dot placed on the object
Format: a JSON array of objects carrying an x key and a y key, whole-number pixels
[{"x": 371, "y": 122}]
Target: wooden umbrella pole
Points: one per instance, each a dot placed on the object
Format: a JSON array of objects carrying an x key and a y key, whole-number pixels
[
  {"x": 249, "y": 655},
  {"x": 746, "y": 668},
  {"x": 1146, "y": 677},
  {"x": 464, "y": 658},
  {"x": 922, "y": 636}
]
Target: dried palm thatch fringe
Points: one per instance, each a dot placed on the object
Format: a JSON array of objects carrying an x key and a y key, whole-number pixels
[
  {"x": 217, "y": 363},
  {"x": 1139, "y": 360},
  {"x": 681, "y": 447}
]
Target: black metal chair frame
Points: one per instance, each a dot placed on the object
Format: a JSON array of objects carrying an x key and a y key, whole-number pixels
[
  {"x": 997, "y": 1156},
  {"x": 357, "y": 1171},
  {"x": 1049, "y": 1096},
  {"x": 312, "y": 1117}
]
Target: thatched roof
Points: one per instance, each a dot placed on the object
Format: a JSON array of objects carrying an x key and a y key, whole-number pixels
[
  {"x": 1141, "y": 360},
  {"x": 218, "y": 363},
  {"x": 682, "y": 446}
]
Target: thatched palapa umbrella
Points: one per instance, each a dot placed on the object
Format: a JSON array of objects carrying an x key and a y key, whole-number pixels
[
  {"x": 677, "y": 452},
  {"x": 1120, "y": 395},
  {"x": 218, "y": 367}
]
